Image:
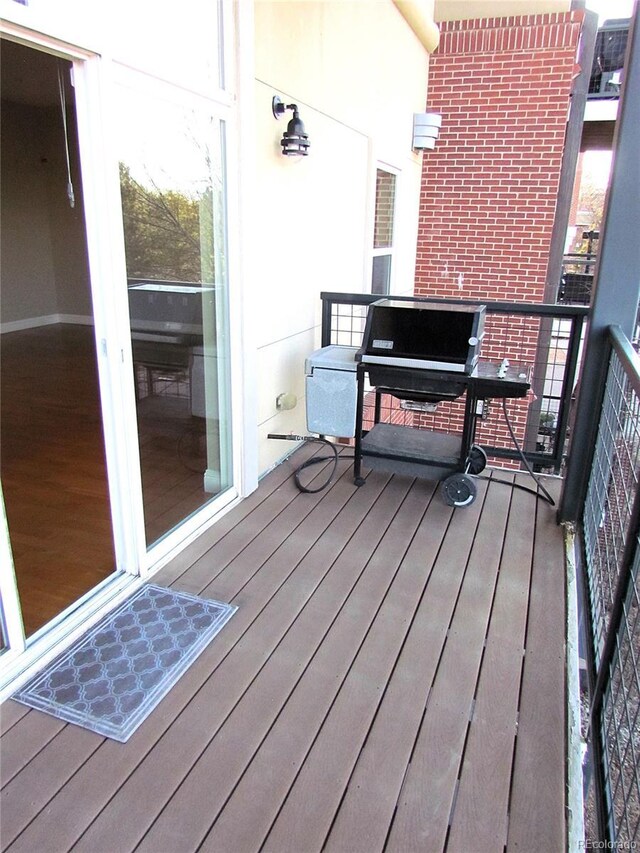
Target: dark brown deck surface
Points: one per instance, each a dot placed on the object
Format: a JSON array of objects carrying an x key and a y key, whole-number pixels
[{"x": 393, "y": 679}]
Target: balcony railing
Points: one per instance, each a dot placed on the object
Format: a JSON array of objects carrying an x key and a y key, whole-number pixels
[
  {"x": 611, "y": 537},
  {"x": 608, "y": 59},
  {"x": 545, "y": 337},
  {"x": 576, "y": 281}
]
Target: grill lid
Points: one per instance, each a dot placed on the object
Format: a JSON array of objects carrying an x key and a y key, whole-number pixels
[{"x": 423, "y": 335}]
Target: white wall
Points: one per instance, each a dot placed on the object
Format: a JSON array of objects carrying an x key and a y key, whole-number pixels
[
  {"x": 28, "y": 277},
  {"x": 358, "y": 73},
  {"x": 454, "y": 10},
  {"x": 44, "y": 264}
]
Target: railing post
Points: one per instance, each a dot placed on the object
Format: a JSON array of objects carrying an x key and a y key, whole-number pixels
[
  {"x": 594, "y": 745},
  {"x": 616, "y": 282},
  {"x": 564, "y": 414},
  {"x": 570, "y": 155},
  {"x": 325, "y": 330}
]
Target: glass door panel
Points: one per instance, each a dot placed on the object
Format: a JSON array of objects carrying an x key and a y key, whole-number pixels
[{"x": 173, "y": 202}]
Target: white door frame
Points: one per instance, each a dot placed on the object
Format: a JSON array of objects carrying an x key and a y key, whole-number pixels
[
  {"x": 10, "y": 616},
  {"x": 19, "y": 659}
]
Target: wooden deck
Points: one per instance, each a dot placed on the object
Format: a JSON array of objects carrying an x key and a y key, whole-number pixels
[{"x": 393, "y": 679}]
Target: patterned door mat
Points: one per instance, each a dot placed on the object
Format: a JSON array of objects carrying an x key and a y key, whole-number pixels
[{"x": 113, "y": 676}]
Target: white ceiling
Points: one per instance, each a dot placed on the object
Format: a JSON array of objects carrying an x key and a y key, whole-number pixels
[{"x": 29, "y": 76}]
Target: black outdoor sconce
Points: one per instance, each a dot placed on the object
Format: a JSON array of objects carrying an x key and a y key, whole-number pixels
[{"x": 294, "y": 140}]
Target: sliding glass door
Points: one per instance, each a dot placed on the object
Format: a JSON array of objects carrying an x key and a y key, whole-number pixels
[{"x": 116, "y": 439}]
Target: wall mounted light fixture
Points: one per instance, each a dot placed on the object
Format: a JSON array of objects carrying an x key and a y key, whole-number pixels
[
  {"x": 426, "y": 128},
  {"x": 294, "y": 140}
]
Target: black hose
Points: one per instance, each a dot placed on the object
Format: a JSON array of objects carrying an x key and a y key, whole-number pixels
[
  {"x": 545, "y": 496},
  {"x": 313, "y": 460}
]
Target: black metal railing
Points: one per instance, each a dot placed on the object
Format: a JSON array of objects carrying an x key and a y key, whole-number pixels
[
  {"x": 546, "y": 338},
  {"x": 576, "y": 281},
  {"x": 610, "y": 528},
  {"x": 608, "y": 59}
]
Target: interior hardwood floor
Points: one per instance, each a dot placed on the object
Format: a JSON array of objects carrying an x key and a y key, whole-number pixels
[{"x": 53, "y": 469}]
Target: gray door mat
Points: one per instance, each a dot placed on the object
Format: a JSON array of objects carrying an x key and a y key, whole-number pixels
[{"x": 113, "y": 676}]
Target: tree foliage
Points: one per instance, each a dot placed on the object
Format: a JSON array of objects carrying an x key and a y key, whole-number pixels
[{"x": 161, "y": 231}]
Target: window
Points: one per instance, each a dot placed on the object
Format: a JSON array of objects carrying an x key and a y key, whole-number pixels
[{"x": 383, "y": 231}]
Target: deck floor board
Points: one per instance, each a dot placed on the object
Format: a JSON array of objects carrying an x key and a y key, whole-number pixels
[
  {"x": 365, "y": 814},
  {"x": 427, "y": 798},
  {"x": 479, "y": 822},
  {"x": 350, "y": 705},
  {"x": 535, "y": 821}
]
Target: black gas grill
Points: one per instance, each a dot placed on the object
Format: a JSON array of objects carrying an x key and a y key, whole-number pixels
[{"x": 428, "y": 352}]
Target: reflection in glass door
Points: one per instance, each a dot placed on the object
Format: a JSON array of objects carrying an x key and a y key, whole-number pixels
[{"x": 173, "y": 203}]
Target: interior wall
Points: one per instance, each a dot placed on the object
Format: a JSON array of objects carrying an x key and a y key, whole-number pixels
[
  {"x": 358, "y": 73},
  {"x": 28, "y": 277},
  {"x": 66, "y": 223},
  {"x": 44, "y": 266}
]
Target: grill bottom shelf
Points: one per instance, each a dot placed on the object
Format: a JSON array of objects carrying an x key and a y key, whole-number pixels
[{"x": 414, "y": 452}]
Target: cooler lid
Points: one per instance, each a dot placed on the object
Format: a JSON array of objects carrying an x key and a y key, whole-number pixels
[{"x": 333, "y": 357}]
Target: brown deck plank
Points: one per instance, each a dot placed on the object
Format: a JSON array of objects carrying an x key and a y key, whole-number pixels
[
  {"x": 330, "y": 648},
  {"x": 269, "y": 606},
  {"x": 313, "y": 694},
  {"x": 196, "y": 549},
  {"x": 537, "y": 821},
  {"x": 29, "y": 792},
  {"x": 293, "y": 535},
  {"x": 365, "y": 814},
  {"x": 312, "y": 780},
  {"x": 259, "y": 536},
  {"x": 244, "y": 671},
  {"x": 10, "y": 713},
  {"x": 44, "y": 792},
  {"x": 422, "y": 816},
  {"x": 30, "y": 734},
  {"x": 480, "y": 819}
]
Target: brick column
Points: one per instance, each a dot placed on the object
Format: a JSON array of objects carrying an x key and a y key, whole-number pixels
[{"x": 489, "y": 189}]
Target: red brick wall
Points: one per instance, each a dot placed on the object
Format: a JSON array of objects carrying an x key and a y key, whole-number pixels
[{"x": 489, "y": 189}]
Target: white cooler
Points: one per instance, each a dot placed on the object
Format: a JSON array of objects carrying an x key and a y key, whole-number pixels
[{"x": 331, "y": 391}]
